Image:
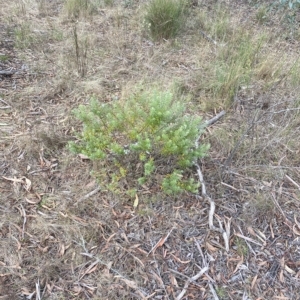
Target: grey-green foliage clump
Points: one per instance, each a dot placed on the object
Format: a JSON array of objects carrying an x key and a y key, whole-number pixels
[
  {"x": 292, "y": 4},
  {"x": 146, "y": 140},
  {"x": 164, "y": 18}
]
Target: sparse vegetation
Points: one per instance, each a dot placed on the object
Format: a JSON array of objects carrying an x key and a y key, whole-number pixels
[
  {"x": 23, "y": 35},
  {"x": 262, "y": 14},
  {"x": 135, "y": 137},
  {"x": 165, "y": 18},
  {"x": 120, "y": 220},
  {"x": 80, "y": 8}
]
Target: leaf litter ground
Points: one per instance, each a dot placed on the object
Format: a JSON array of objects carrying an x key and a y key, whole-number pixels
[{"x": 63, "y": 237}]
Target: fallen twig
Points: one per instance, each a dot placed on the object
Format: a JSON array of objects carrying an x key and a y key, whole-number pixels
[
  {"x": 160, "y": 242},
  {"x": 293, "y": 182},
  {"x": 248, "y": 239},
  {"x": 92, "y": 193},
  {"x": 213, "y": 291},
  {"x": 24, "y": 221},
  {"x": 215, "y": 118},
  {"x": 209, "y": 123},
  {"x": 224, "y": 233},
  {"x": 7, "y": 73},
  {"x": 6, "y": 104},
  {"x": 37, "y": 288},
  {"x": 278, "y": 206},
  {"x": 190, "y": 280},
  {"x": 208, "y": 38},
  {"x": 183, "y": 275}
]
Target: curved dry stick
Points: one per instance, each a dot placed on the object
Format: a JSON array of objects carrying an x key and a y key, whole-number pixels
[{"x": 225, "y": 233}]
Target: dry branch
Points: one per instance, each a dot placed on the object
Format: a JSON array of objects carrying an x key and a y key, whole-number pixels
[{"x": 224, "y": 233}]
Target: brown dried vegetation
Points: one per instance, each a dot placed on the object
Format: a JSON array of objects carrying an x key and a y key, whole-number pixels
[{"x": 63, "y": 237}]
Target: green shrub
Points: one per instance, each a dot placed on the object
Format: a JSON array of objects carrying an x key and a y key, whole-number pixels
[
  {"x": 164, "y": 18},
  {"x": 146, "y": 140}
]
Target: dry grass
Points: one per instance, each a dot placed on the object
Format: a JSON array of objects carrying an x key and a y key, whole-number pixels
[{"x": 59, "y": 244}]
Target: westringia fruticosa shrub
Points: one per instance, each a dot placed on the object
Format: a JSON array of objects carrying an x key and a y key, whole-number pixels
[{"x": 146, "y": 140}]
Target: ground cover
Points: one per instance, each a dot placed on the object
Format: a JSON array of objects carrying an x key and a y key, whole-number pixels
[{"x": 65, "y": 236}]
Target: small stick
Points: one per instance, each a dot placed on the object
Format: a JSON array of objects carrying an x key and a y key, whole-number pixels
[
  {"x": 213, "y": 291},
  {"x": 203, "y": 186},
  {"x": 209, "y": 123},
  {"x": 248, "y": 239},
  {"x": 293, "y": 182},
  {"x": 208, "y": 38},
  {"x": 37, "y": 288},
  {"x": 212, "y": 210},
  {"x": 160, "y": 242},
  {"x": 215, "y": 118},
  {"x": 201, "y": 253},
  {"x": 249, "y": 246},
  {"x": 230, "y": 186},
  {"x": 205, "y": 196},
  {"x": 92, "y": 193},
  {"x": 278, "y": 206},
  {"x": 183, "y": 275},
  {"x": 190, "y": 280},
  {"x": 7, "y": 73},
  {"x": 24, "y": 221},
  {"x": 4, "y": 102}
]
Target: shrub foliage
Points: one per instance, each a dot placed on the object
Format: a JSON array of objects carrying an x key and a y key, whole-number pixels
[{"x": 146, "y": 140}]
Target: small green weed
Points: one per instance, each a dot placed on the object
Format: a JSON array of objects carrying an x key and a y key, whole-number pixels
[
  {"x": 3, "y": 57},
  {"x": 145, "y": 140},
  {"x": 241, "y": 247},
  {"x": 164, "y": 18},
  {"x": 221, "y": 292}
]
